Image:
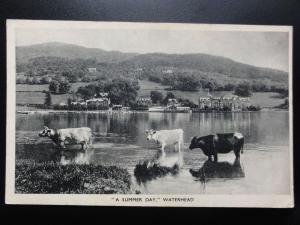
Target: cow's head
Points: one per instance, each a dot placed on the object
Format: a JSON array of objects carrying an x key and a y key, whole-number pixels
[
  {"x": 196, "y": 142},
  {"x": 46, "y": 132},
  {"x": 151, "y": 135}
]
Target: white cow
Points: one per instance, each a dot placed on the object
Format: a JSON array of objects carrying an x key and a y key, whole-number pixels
[
  {"x": 82, "y": 135},
  {"x": 166, "y": 137}
]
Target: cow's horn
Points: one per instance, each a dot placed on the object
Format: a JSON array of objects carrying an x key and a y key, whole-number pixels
[{"x": 45, "y": 127}]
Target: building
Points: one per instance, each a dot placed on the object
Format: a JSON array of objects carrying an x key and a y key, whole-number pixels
[
  {"x": 100, "y": 102},
  {"x": 103, "y": 95},
  {"x": 92, "y": 70},
  {"x": 224, "y": 103},
  {"x": 168, "y": 71},
  {"x": 172, "y": 102},
  {"x": 144, "y": 101}
]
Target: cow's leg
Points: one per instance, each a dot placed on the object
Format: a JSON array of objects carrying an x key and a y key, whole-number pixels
[
  {"x": 163, "y": 154},
  {"x": 90, "y": 142},
  {"x": 215, "y": 157},
  {"x": 176, "y": 147},
  {"x": 179, "y": 146},
  {"x": 84, "y": 146},
  {"x": 214, "y": 151},
  {"x": 237, "y": 152},
  {"x": 180, "y": 158},
  {"x": 209, "y": 157}
]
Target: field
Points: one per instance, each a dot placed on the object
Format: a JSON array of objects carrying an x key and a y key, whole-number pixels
[
  {"x": 26, "y": 94},
  {"x": 263, "y": 99},
  {"x": 32, "y": 94}
]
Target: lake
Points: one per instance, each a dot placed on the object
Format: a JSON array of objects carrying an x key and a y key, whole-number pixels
[{"x": 119, "y": 139}]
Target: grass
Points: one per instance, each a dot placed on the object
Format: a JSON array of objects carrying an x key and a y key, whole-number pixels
[
  {"x": 263, "y": 99},
  {"x": 51, "y": 178}
]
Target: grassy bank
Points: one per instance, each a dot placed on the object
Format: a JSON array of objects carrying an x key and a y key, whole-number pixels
[{"x": 46, "y": 178}]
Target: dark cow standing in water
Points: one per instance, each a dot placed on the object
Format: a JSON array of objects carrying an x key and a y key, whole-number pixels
[{"x": 213, "y": 144}]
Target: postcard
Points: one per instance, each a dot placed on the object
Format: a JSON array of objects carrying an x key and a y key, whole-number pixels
[{"x": 149, "y": 114}]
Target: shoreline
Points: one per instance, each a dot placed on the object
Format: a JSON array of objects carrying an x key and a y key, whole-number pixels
[{"x": 26, "y": 112}]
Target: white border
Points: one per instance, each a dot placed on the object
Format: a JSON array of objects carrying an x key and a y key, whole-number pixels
[{"x": 271, "y": 201}]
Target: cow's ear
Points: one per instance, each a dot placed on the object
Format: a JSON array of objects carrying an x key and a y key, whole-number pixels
[
  {"x": 146, "y": 131},
  {"x": 154, "y": 132}
]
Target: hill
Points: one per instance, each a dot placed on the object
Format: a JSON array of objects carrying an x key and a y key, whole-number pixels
[
  {"x": 51, "y": 55},
  {"x": 56, "y": 49},
  {"x": 207, "y": 63}
]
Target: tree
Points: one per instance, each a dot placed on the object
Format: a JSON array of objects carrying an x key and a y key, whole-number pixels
[
  {"x": 71, "y": 76},
  {"x": 91, "y": 90},
  {"x": 54, "y": 86},
  {"x": 185, "y": 82},
  {"x": 187, "y": 103},
  {"x": 156, "y": 97},
  {"x": 210, "y": 85},
  {"x": 64, "y": 87},
  {"x": 48, "y": 99},
  {"x": 35, "y": 81},
  {"x": 168, "y": 96},
  {"x": 228, "y": 87},
  {"x": 243, "y": 89},
  {"x": 69, "y": 102},
  {"x": 45, "y": 80},
  {"x": 122, "y": 91},
  {"x": 86, "y": 79}
]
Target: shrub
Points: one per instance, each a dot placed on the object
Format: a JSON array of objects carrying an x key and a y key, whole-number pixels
[
  {"x": 254, "y": 108},
  {"x": 54, "y": 178},
  {"x": 156, "y": 97},
  {"x": 48, "y": 99}
]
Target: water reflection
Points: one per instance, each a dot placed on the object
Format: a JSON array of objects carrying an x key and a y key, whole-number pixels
[
  {"x": 119, "y": 139},
  {"x": 159, "y": 166},
  {"x": 76, "y": 157},
  {"x": 211, "y": 170},
  {"x": 257, "y": 127}
]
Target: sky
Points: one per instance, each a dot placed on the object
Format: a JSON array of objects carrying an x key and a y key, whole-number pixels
[{"x": 263, "y": 49}]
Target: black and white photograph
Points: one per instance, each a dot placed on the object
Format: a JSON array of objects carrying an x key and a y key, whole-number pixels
[{"x": 149, "y": 114}]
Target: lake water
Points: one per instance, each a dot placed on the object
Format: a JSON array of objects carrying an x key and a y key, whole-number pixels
[{"x": 119, "y": 139}]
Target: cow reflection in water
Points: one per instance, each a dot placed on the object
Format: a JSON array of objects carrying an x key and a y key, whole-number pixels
[
  {"x": 211, "y": 170},
  {"x": 159, "y": 166},
  {"x": 73, "y": 156}
]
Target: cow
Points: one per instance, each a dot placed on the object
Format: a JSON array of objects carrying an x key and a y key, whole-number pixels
[
  {"x": 81, "y": 135},
  {"x": 213, "y": 144},
  {"x": 166, "y": 137}
]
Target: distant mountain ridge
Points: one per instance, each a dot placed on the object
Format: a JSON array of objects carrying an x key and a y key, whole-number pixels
[
  {"x": 200, "y": 62},
  {"x": 57, "y": 49}
]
